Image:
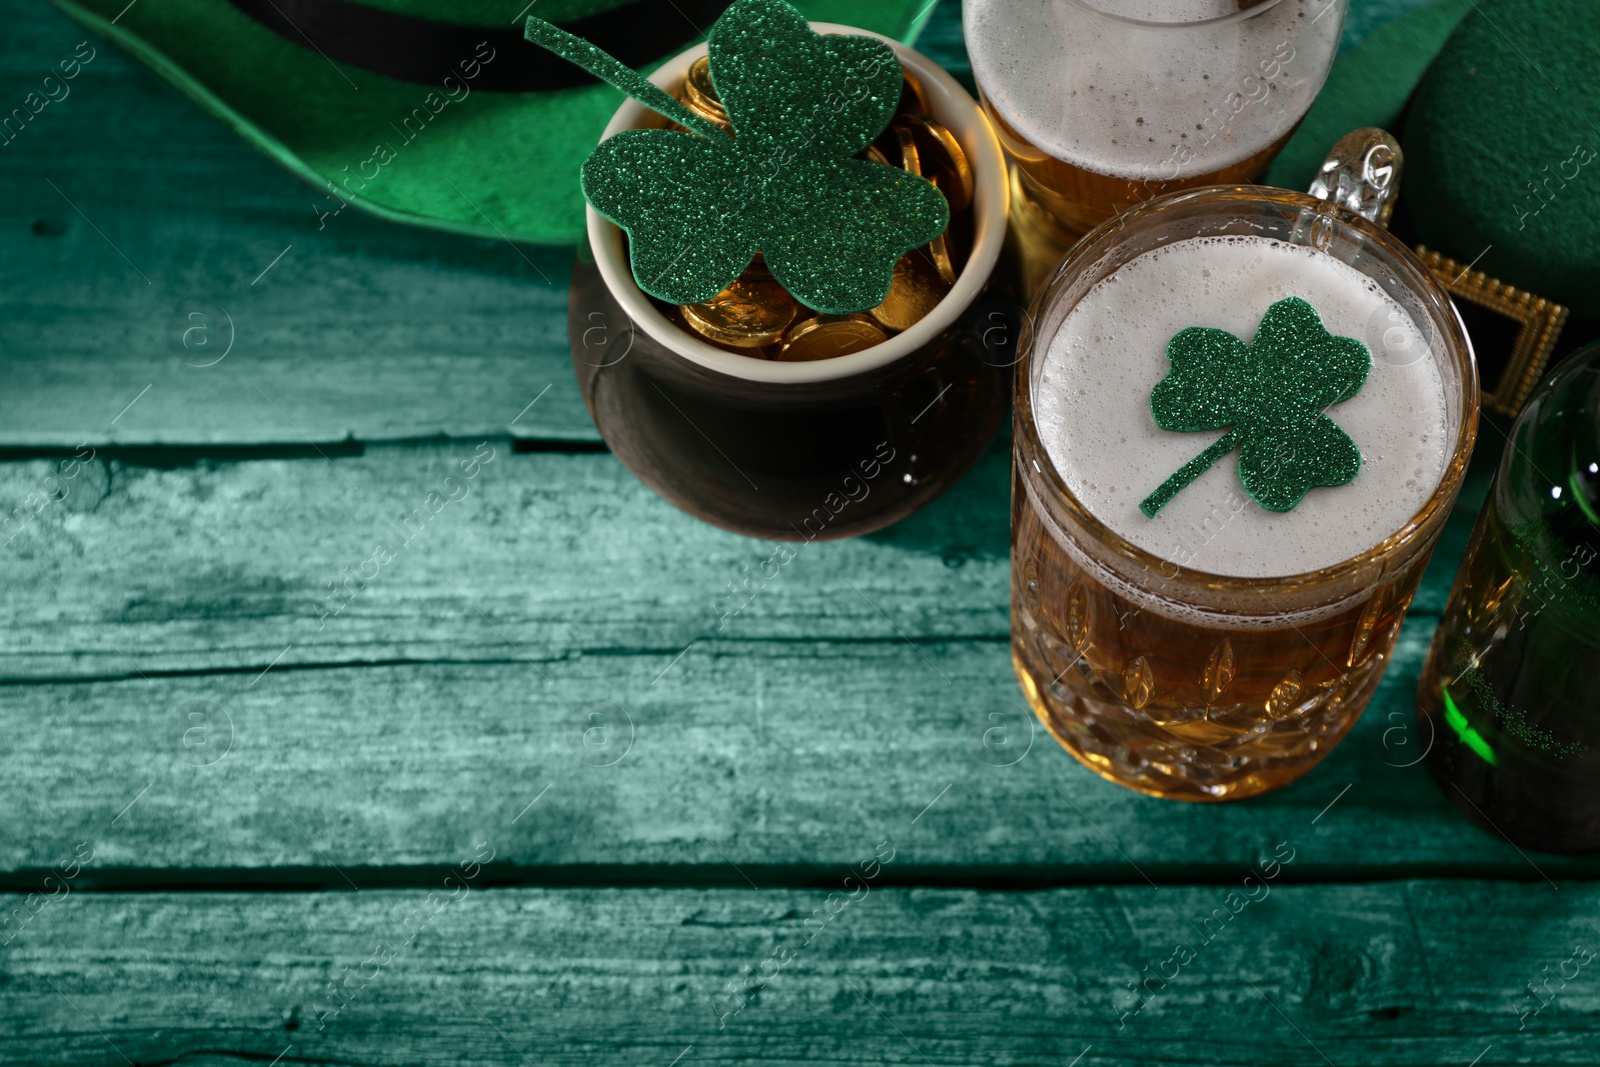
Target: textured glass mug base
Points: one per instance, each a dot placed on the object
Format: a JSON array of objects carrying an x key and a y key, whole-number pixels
[
  {"x": 1183, "y": 711},
  {"x": 789, "y": 462},
  {"x": 1122, "y": 746}
]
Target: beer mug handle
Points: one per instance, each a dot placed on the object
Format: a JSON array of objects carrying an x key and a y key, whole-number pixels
[{"x": 1362, "y": 174}]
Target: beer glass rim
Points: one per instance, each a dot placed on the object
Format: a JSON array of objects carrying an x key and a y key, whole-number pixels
[
  {"x": 954, "y": 108},
  {"x": 1158, "y": 24},
  {"x": 1416, "y": 276}
]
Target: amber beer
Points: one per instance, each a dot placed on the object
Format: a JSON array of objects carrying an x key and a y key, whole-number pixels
[
  {"x": 1181, "y": 709},
  {"x": 1219, "y": 650},
  {"x": 1076, "y": 199},
  {"x": 1101, "y": 104}
]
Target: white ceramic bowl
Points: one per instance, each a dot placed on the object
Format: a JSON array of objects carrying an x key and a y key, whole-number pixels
[{"x": 953, "y": 108}]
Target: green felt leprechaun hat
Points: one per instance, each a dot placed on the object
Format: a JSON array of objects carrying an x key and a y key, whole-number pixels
[{"x": 435, "y": 112}]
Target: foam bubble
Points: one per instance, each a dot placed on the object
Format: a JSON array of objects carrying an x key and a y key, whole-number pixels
[
  {"x": 1092, "y": 407},
  {"x": 1150, "y": 103}
]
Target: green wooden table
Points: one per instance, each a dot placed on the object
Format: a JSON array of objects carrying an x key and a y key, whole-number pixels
[{"x": 519, "y": 798}]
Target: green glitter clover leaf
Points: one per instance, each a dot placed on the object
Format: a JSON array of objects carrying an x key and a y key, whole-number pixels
[
  {"x": 698, "y": 205},
  {"x": 1270, "y": 394}
]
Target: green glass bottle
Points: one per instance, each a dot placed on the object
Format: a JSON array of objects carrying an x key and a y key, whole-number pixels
[{"x": 1511, "y": 689}]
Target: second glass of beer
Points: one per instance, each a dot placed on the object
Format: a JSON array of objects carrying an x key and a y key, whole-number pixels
[
  {"x": 1101, "y": 104},
  {"x": 1218, "y": 650}
]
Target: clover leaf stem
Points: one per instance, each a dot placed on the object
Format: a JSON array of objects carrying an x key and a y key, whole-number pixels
[
  {"x": 617, "y": 74},
  {"x": 1190, "y": 471}
]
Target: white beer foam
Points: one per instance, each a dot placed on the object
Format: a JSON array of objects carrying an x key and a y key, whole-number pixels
[
  {"x": 1149, "y": 103},
  {"x": 1092, "y": 407}
]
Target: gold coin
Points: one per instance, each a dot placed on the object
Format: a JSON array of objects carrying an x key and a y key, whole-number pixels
[
  {"x": 907, "y": 144},
  {"x": 701, "y": 98},
  {"x": 759, "y": 352},
  {"x": 912, "y": 98},
  {"x": 829, "y": 336},
  {"x": 747, "y": 314},
  {"x": 958, "y": 241},
  {"x": 939, "y": 251},
  {"x": 916, "y": 290},
  {"x": 942, "y": 161},
  {"x": 698, "y": 91}
]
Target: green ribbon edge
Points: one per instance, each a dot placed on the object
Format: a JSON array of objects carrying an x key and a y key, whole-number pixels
[{"x": 1368, "y": 86}]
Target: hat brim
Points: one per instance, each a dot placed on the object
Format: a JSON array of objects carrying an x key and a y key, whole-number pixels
[{"x": 489, "y": 164}]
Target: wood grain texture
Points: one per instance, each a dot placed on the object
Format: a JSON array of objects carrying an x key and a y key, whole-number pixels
[
  {"x": 1391, "y": 973},
  {"x": 548, "y": 670},
  {"x": 748, "y": 763},
  {"x": 221, "y": 566},
  {"x": 120, "y": 570},
  {"x": 856, "y": 686},
  {"x": 123, "y": 209}
]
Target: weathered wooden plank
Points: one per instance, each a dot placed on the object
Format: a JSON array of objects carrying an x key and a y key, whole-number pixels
[
  {"x": 225, "y": 565},
  {"x": 123, "y": 209},
  {"x": 228, "y": 566},
  {"x": 863, "y": 679},
  {"x": 768, "y": 761},
  {"x": 1391, "y": 973}
]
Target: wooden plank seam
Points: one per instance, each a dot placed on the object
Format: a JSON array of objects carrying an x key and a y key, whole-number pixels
[{"x": 382, "y": 555}]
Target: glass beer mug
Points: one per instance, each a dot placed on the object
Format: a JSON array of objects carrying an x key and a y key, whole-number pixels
[
  {"x": 1102, "y": 104},
  {"x": 1218, "y": 650}
]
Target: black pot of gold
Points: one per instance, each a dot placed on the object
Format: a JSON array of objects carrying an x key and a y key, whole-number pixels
[{"x": 780, "y": 325}]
